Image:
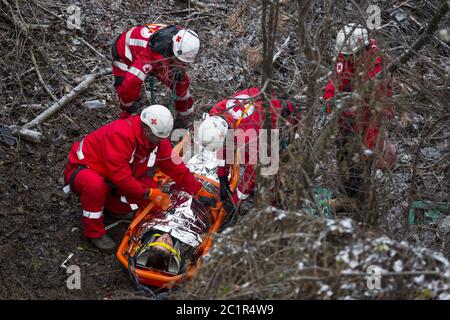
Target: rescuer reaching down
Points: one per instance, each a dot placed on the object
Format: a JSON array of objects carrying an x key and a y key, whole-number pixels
[
  {"x": 158, "y": 51},
  {"x": 112, "y": 168}
]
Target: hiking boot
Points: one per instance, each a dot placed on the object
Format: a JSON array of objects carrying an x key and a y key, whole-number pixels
[{"x": 104, "y": 243}]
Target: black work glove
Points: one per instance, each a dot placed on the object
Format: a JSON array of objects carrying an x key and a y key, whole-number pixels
[
  {"x": 208, "y": 201},
  {"x": 225, "y": 191}
]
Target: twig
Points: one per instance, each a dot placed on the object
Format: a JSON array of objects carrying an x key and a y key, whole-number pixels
[
  {"x": 65, "y": 100},
  {"x": 307, "y": 278},
  {"x": 56, "y": 15},
  {"x": 319, "y": 81},
  {"x": 11, "y": 232},
  {"x": 41, "y": 80},
  {"x": 284, "y": 45},
  {"x": 93, "y": 49},
  {"x": 112, "y": 225},
  {"x": 76, "y": 27},
  {"x": 75, "y": 124},
  {"x": 38, "y": 27},
  {"x": 208, "y": 5},
  {"x": 432, "y": 27},
  {"x": 104, "y": 272},
  {"x": 33, "y": 106},
  {"x": 16, "y": 20},
  {"x": 401, "y": 273},
  {"x": 35, "y": 136}
]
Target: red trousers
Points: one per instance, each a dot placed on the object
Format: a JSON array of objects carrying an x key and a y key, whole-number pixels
[{"x": 95, "y": 195}]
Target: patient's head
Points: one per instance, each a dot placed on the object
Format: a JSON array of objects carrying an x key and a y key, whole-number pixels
[{"x": 160, "y": 251}]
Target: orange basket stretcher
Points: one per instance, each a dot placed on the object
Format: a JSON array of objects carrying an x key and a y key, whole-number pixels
[{"x": 128, "y": 246}]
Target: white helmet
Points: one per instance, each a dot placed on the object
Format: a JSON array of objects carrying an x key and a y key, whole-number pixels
[
  {"x": 212, "y": 132},
  {"x": 185, "y": 45},
  {"x": 159, "y": 119},
  {"x": 352, "y": 38}
]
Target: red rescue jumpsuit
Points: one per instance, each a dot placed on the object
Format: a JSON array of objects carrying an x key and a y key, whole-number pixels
[
  {"x": 349, "y": 75},
  {"x": 361, "y": 125},
  {"x": 249, "y": 117},
  {"x": 134, "y": 60},
  {"x": 119, "y": 155}
]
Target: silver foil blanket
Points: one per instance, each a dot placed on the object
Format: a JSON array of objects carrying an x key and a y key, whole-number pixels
[{"x": 187, "y": 218}]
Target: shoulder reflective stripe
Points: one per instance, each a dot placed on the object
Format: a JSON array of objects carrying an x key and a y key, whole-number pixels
[
  {"x": 152, "y": 158},
  {"x": 92, "y": 215},
  {"x": 221, "y": 163},
  {"x": 127, "y": 43},
  {"x": 187, "y": 112},
  {"x": 138, "y": 73},
  {"x": 122, "y": 66},
  {"x": 80, "y": 154},
  {"x": 242, "y": 196},
  {"x": 132, "y": 155},
  {"x": 185, "y": 97},
  {"x": 138, "y": 43},
  {"x": 134, "y": 206}
]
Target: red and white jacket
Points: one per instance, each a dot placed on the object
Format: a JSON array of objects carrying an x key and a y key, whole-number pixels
[
  {"x": 137, "y": 61},
  {"x": 349, "y": 74},
  {"x": 241, "y": 114},
  {"x": 120, "y": 152}
]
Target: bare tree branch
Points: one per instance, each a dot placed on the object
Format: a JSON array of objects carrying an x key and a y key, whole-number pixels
[{"x": 432, "y": 27}]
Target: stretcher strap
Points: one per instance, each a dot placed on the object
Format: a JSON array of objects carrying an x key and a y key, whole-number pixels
[
  {"x": 135, "y": 279},
  {"x": 165, "y": 245}
]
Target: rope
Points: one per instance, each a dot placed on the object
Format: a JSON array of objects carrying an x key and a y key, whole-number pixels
[
  {"x": 152, "y": 90},
  {"x": 134, "y": 278}
]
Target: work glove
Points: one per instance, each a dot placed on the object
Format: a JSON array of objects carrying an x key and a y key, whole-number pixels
[
  {"x": 159, "y": 198},
  {"x": 206, "y": 198},
  {"x": 225, "y": 190}
]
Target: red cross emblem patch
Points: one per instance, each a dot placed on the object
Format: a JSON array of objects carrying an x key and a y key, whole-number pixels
[
  {"x": 147, "y": 68},
  {"x": 178, "y": 39},
  {"x": 241, "y": 107},
  {"x": 339, "y": 67},
  {"x": 154, "y": 121}
]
